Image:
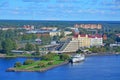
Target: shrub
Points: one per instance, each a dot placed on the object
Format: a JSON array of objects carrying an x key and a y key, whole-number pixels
[
  {"x": 49, "y": 56},
  {"x": 42, "y": 64},
  {"x": 64, "y": 57},
  {"x": 50, "y": 62},
  {"x": 28, "y": 61},
  {"x": 17, "y": 64}
]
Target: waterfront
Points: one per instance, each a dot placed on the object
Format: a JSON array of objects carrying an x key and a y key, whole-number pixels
[{"x": 93, "y": 68}]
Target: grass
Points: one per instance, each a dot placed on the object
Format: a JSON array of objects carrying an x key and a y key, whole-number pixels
[{"x": 55, "y": 63}]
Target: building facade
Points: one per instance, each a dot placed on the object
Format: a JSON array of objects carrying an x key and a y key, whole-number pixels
[
  {"x": 85, "y": 40},
  {"x": 96, "y": 40},
  {"x": 88, "y": 26}
]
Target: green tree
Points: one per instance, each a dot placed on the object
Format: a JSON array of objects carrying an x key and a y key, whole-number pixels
[
  {"x": 64, "y": 57},
  {"x": 42, "y": 64},
  {"x": 29, "y": 37},
  {"x": 29, "y": 47},
  {"x": 50, "y": 62},
  {"x": 45, "y": 40},
  {"x": 37, "y": 50},
  {"x": 49, "y": 56},
  {"x": 17, "y": 64},
  {"x": 28, "y": 61},
  {"x": 8, "y": 45},
  {"x": 62, "y": 34},
  {"x": 79, "y": 51}
]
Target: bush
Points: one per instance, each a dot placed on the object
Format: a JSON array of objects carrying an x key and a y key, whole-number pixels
[
  {"x": 50, "y": 63},
  {"x": 28, "y": 61},
  {"x": 42, "y": 64},
  {"x": 17, "y": 64},
  {"x": 10, "y": 54},
  {"x": 64, "y": 57},
  {"x": 49, "y": 56}
]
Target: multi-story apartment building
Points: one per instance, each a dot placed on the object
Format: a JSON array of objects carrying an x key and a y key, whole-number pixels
[
  {"x": 88, "y": 26},
  {"x": 82, "y": 41},
  {"x": 96, "y": 40},
  {"x": 85, "y": 40}
]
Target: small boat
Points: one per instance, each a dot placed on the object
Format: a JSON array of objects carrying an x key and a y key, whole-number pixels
[{"x": 77, "y": 58}]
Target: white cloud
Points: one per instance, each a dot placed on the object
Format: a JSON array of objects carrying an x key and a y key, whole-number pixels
[{"x": 35, "y": 0}]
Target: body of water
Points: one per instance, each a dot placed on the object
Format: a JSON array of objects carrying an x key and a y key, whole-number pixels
[{"x": 93, "y": 68}]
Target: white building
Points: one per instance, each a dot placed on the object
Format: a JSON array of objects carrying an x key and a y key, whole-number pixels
[
  {"x": 96, "y": 40},
  {"x": 54, "y": 33},
  {"x": 67, "y": 33}
]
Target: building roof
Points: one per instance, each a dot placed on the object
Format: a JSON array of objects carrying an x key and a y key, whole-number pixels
[
  {"x": 95, "y": 36},
  {"x": 90, "y": 36},
  {"x": 83, "y": 35}
]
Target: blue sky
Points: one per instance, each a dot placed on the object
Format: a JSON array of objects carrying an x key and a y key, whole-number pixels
[{"x": 83, "y": 10}]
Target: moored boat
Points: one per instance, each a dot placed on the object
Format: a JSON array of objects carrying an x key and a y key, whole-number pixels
[{"x": 77, "y": 58}]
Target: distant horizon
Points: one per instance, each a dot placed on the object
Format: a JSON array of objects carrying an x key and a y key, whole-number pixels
[{"x": 56, "y": 20}]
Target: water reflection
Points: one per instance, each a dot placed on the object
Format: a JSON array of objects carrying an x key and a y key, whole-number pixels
[{"x": 76, "y": 64}]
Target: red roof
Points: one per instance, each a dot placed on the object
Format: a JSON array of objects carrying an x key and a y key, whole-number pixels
[
  {"x": 75, "y": 36},
  {"x": 90, "y": 36},
  {"x": 83, "y": 35},
  {"x": 95, "y": 36},
  {"x": 98, "y": 36}
]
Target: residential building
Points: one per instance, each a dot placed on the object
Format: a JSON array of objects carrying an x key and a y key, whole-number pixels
[
  {"x": 88, "y": 26},
  {"x": 67, "y": 33},
  {"x": 49, "y": 28},
  {"x": 83, "y": 40},
  {"x": 96, "y": 40},
  {"x": 46, "y": 32},
  {"x": 28, "y": 27},
  {"x": 7, "y": 28},
  {"x": 54, "y": 33}
]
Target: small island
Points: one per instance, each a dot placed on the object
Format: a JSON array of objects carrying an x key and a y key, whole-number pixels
[{"x": 45, "y": 63}]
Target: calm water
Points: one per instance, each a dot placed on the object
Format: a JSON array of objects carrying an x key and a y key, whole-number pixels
[{"x": 93, "y": 68}]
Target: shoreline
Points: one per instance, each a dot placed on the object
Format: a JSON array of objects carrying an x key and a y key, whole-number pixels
[
  {"x": 90, "y": 54},
  {"x": 5, "y": 56},
  {"x": 87, "y": 55},
  {"x": 19, "y": 57},
  {"x": 101, "y": 54},
  {"x": 41, "y": 70}
]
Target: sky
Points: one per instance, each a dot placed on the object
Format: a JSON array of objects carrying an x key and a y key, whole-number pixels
[{"x": 71, "y": 10}]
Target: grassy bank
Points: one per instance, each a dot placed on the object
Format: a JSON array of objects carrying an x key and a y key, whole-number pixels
[{"x": 47, "y": 62}]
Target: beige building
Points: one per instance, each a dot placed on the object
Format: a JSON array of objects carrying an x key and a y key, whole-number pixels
[
  {"x": 83, "y": 40},
  {"x": 88, "y": 26}
]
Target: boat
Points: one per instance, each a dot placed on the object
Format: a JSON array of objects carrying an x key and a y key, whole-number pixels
[{"x": 77, "y": 58}]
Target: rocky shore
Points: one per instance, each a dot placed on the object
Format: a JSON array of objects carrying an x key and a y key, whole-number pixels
[
  {"x": 2, "y": 55},
  {"x": 41, "y": 70}
]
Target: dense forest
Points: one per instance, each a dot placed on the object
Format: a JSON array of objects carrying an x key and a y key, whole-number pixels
[{"x": 40, "y": 23}]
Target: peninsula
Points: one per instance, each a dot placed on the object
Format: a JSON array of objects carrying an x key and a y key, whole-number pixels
[{"x": 47, "y": 62}]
